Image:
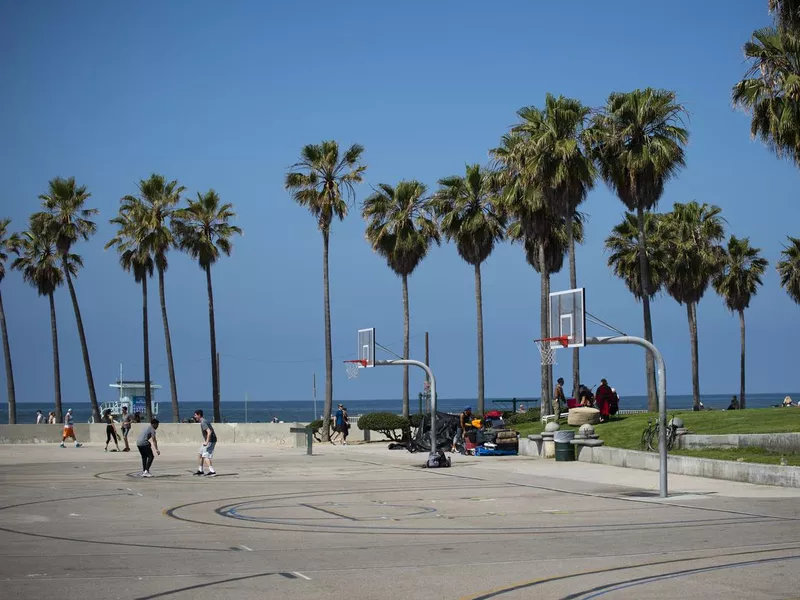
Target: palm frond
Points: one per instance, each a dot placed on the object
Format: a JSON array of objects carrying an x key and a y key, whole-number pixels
[
  {"x": 203, "y": 228},
  {"x": 789, "y": 268}
]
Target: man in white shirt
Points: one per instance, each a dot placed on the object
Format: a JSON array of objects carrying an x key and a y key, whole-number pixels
[
  {"x": 69, "y": 430},
  {"x": 39, "y": 417}
]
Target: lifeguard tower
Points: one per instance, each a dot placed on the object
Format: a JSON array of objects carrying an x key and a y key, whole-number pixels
[{"x": 131, "y": 394}]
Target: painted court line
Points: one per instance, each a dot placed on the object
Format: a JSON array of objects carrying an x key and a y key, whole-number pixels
[
  {"x": 243, "y": 547},
  {"x": 307, "y": 578}
]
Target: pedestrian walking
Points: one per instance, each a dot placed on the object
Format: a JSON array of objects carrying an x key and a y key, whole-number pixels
[
  {"x": 345, "y": 425},
  {"x": 69, "y": 429},
  {"x": 206, "y": 452},
  {"x": 39, "y": 417},
  {"x": 51, "y": 418},
  {"x": 111, "y": 431},
  {"x": 338, "y": 425},
  {"x": 126, "y": 427},
  {"x": 146, "y": 442}
]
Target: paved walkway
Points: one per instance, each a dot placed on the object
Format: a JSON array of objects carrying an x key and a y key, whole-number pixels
[{"x": 365, "y": 522}]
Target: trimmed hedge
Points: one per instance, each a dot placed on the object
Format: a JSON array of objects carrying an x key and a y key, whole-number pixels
[
  {"x": 386, "y": 423},
  {"x": 529, "y": 416}
]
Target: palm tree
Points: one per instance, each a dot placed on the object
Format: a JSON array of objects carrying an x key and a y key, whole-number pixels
[
  {"x": 65, "y": 212},
  {"x": 135, "y": 257},
  {"x": 8, "y": 243},
  {"x": 638, "y": 145},
  {"x": 551, "y": 247},
  {"x": 769, "y": 90},
  {"x": 623, "y": 248},
  {"x": 401, "y": 227},
  {"x": 692, "y": 232},
  {"x": 737, "y": 282},
  {"x": 158, "y": 199},
  {"x": 563, "y": 170},
  {"x": 203, "y": 230},
  {"x": 523, "y": 202},
  {"x": 40, "y": 263},
  {"x": 317, "y": 182},
  {"x": 789, "y": 269},
  {"x": 471, "y": 215},
  {"x": 787, "y": 14}
]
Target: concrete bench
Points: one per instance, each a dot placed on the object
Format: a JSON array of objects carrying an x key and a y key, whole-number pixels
[{"x": 590, "y": 442}]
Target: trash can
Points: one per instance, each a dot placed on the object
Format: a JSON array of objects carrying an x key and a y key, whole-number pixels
[{"x": 565, "y": 452}]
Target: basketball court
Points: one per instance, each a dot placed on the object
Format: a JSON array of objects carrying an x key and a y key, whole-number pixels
[{"x": 366, "y": 522}]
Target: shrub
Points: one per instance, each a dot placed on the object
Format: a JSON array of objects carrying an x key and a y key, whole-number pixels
[
  {"x": 529, "y": 416},
  {"x": 316, "y": 427},
  {"x": 415, "y": 420},
  {"x": 385, "y": 423}
]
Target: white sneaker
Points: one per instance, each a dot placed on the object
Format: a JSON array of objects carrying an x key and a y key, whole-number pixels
[{"x": 146, "y": 474}]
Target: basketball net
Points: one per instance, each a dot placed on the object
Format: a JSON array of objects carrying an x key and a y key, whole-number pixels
[
  {"x": 353, "y": 367},
  {"x": 548, "y": 353},
  {"x": 548, "y": 349}
]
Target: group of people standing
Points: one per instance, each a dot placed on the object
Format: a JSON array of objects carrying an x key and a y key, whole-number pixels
[{"x": 605, "y": 399}]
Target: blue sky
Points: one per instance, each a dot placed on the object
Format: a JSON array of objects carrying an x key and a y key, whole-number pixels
[{"x": 224, "y": 95}]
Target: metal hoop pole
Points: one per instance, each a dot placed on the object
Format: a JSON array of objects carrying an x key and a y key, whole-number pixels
[
  {"x": 427, "y": 369},
  {"x": 661, "y": 377}
]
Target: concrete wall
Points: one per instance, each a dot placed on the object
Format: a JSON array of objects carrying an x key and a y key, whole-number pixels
[
  {"x": 775, "y": 442},
  {"x": 698, "y": 467},
  {"x": 272, "y": 434}
]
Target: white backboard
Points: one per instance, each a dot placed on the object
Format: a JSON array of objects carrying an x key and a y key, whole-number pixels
[
  {"x": 568, "y": 317},
  {"x": 366, "y": 346}
]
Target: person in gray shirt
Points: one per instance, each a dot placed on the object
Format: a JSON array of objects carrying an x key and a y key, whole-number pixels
[
  {"x": 146, "y": 442},
  {"x": 207, "y": 449}
]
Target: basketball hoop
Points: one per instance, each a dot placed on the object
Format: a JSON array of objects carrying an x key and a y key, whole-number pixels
[
  {"x": 353, "y": 367},
  {"x": 548, "y": 350}
]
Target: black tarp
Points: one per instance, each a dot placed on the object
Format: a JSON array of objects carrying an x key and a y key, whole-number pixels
[{"x": 446, "y": 427}]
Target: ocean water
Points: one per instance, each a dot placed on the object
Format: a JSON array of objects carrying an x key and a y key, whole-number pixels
[{"x": 303, "y": 411}]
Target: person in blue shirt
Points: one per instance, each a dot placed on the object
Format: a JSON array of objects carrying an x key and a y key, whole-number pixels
[{"x": 339, "y": 426}]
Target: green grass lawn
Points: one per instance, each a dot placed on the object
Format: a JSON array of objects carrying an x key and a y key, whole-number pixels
[{"x": 626, "y": 431}]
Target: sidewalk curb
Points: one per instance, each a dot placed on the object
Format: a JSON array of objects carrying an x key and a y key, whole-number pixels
[{"x": 744, "y": 472}]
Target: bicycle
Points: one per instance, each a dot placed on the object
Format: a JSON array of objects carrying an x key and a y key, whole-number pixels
[{"x": 650, "y": 437}]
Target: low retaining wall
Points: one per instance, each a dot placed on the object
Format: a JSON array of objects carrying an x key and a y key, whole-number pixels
[
  {"x": 272, "y": 434},
  {"x": 697, "y": 467},
  {"x": 774, "y": 442}
]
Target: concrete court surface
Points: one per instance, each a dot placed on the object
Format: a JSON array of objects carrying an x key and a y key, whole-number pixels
[{"x": 365, "y": 522}]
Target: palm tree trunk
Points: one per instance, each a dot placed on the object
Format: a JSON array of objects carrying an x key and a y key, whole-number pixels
[
  {"x": 148, "y": 395},
  {"x": 644, "y": 273},
  {"x": 742, "y": 403},
  {"x": 543, "y": 323},
  {"x": 691, "y": 311},
  {"x": 176, "y": 416},
  {"x": 56, "y": 365},
  {"x": 212, "y": 334},
  {"x": 326, "y": 415},
  {"x": 12, "y": 397},
  {"x": 87, "y": 365},
  {"x": 479, "y": 307},
  {"x": 573, "y": 283},
  {"x": 406, "y": 330},
  {"x": 550, "y": 384}
]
